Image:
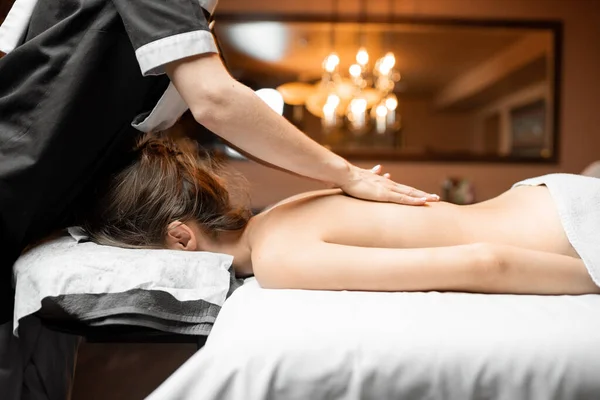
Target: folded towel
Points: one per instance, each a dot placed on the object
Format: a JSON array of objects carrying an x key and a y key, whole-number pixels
[
  {"x": 577, "y": 200},
  {"x": 69, "y": 279}
]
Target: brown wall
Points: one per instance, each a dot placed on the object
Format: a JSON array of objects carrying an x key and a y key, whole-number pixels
[
  {"x": 580, "y": 113},
  {"x": 425, "y": 127},
  {"x": 5, "y": 6}
]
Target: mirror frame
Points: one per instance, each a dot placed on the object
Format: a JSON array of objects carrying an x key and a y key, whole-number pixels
[{"x": 554, "y": 26}]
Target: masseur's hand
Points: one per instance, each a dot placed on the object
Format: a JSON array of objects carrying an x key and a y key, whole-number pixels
[{"x": 370, "y": 185}]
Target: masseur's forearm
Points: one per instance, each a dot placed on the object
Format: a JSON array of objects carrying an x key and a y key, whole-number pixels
[
  {"x": 237, "y": 114},
  {"x": 271, "y": 138}
]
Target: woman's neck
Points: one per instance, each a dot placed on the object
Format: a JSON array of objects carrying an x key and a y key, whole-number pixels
[{"x": 236, "y": 244}]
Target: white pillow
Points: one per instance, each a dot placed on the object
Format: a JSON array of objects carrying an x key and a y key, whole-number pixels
[{"x": 89, "y": 282}]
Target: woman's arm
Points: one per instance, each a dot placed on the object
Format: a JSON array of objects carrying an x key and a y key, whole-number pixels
[
  {"x": 483, "y": 268},
  {"x": 238, "y": 115}
]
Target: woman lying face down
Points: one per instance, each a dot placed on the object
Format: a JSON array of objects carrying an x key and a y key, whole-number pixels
[{"x": 170, "y": 198}]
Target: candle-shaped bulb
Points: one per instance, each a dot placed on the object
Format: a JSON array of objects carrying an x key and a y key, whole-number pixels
[
  {"x": 331, "y": 62},
  {"x": 391, "y": 102},
  {"x": 362, "y": 57},
  {"x": 355, "y": 70}
]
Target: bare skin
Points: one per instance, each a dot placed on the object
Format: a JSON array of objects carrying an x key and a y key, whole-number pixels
[{"x": 324, "y": 240}]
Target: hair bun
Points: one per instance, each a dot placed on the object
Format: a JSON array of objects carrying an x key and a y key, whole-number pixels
[{"x": 158, "y": 146}]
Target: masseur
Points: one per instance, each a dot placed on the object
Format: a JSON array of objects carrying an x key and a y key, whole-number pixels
[{"x": 81, "y": 79}]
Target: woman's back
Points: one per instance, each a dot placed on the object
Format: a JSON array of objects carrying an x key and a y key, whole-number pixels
[{"x": 524, "y": 216}]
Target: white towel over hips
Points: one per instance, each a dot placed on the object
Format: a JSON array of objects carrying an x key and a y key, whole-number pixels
[{"x": 577, "y": 200}]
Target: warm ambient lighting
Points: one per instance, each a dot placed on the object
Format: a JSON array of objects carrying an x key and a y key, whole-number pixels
[
  {"x": 333, "y": 100},
  {"x": 362, "y": 57},
  {"x": 336, "y": 96},
  {"x": 264, "y": 40},
  {"x": 355, "y": 70},
  {"x": 383, "y": 69},
  {"x": 358, "y": 106},
  {"x": 331, "y": 62},
  {"x": 391, "y": 102},
  {"x": 351, "y": 99},
  {"x": 330, "y": 111},
  {"x": 357, "y": 113},
  {"x": 389, "y": 60},
  {"x": 381, "y": 110}
]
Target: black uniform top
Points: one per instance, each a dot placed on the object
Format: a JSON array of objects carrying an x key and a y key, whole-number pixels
[{"x": 84, "y": 76}]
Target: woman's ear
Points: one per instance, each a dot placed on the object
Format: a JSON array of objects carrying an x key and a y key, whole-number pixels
[{"x": 181, "y": 237}]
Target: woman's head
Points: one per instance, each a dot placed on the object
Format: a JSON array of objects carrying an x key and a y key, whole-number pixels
[{"x": 167, "y": 184}]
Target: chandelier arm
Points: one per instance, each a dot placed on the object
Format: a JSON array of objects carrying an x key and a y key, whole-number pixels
[
  {"x": 362, "y": 21},
  {"x": 388, "y": 34},
  {"x": 334, "y": 21}
]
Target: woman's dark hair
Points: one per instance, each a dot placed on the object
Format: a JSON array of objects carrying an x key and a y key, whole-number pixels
[{"x": 167, "y": 181}]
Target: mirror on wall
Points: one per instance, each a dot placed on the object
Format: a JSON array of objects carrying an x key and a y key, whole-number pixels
[{"x": 419, "y": 90}]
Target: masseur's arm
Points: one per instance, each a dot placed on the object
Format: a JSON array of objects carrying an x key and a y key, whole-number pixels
[
  {"x": 236, "y": 113},
  {"x": 481, "y": 268}
]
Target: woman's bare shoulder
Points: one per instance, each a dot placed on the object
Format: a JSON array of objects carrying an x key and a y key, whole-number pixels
[
  {"x": 303, "y": 196},
  {"x": 287, "y": 225}
]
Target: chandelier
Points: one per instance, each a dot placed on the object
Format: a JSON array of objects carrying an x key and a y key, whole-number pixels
[{"x": 362, "y": 99}]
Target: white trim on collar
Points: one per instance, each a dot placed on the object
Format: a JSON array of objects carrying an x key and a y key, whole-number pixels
[{"x": 15, "y": 25}]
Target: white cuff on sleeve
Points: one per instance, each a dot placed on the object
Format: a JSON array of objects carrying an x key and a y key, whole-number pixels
[
  {"x": 153, "y": 56},
  {"x": 166, "y": 112},
  {"x": 15, "y": 24}
]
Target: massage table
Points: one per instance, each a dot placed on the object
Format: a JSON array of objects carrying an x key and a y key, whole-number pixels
[
  {"x": 296, "y": 344},
  {"x": 325, "y": 345}
]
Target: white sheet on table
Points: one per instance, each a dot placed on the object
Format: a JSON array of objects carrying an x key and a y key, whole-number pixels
[{"x": 285, "y": 344}]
